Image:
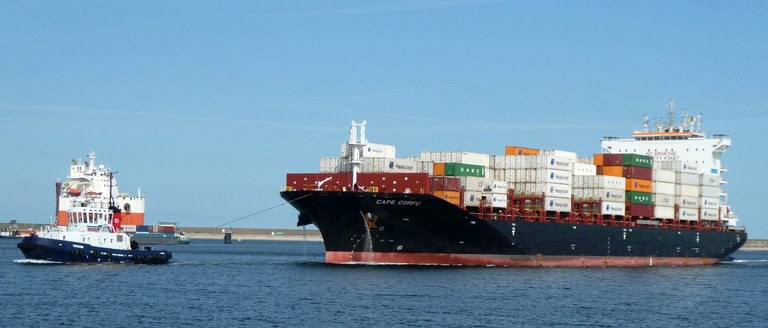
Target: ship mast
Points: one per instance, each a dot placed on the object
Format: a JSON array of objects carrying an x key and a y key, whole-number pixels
[
  {"x": 671, "y": 115},
  {"x": 357, "y": 142}
]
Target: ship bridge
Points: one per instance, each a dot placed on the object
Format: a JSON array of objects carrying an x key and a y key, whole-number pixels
[{"x": 680, "y": 141}]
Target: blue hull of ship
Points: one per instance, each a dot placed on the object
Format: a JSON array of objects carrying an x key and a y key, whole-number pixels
[{"x": 37, "y": 248}]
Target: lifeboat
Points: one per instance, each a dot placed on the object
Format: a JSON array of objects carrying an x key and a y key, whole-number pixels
[
  {"x": 94, "y": 194},
  {"x": 74, "y": 191}
]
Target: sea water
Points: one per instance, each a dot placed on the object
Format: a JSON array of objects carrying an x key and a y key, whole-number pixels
[{"x": 286, "y": 284}]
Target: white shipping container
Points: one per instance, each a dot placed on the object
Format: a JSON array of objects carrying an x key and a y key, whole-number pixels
[
  {"x": 129, "y": 228},
  {"x": 664, "y": 212},
  {"x": 710, "y": 180},
  {"x": 663, "y": 199},
  {"x": 456, "y": 157},
  {"x": 689, "y": 214},
  {"x": 686, "y": 190},
  {"x": 557, "y": 204},
  {"x": 709, "y": 191},
  {"x": 330, "y": 165},
  {"x": 500, "y": 174},
  {"x": 584, "y": 169},
  {"x": 613, "y": 195},
  {"x": 560, "y": 153},
  {"x": 557, "y": 190},
  {"x": 687, "y": 179},
  {"x": 398, "y": 165},
  {"x": 495, "y": 200},
  {"x": 387, "y": 165},
  {"x": 586, "y": 160},
  {"x": 370, "y": 150},
  {"x": 553, "y": 176},
  {"x": 553, "y": 162},
  {"x": 660, "y": 175},
  {"x": 473, "y": 183},
  {"x": 709, "y": 214},
  {"x": 709, "y": 202},
  {"x": 606, "y": 182},
  {"x": 426, "y": 167},
  {"x": 520, "y": 175},
  {"x": 613, "y": 208},
  {"x": 495, "y": 186},
  {"x": 472, "y": 198},
  {"x": 667, "y": 188},
  {"x": 678, "y": 166},
  {"x": 687, "y": 202}
]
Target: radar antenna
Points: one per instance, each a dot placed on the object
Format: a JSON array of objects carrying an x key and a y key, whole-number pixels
[
  {"x": 671, "y": 114},
  {"x": 645, "y": 123}
]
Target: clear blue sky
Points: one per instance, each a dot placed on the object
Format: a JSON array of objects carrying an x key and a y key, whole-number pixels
[{"x": 206, "y": 105}]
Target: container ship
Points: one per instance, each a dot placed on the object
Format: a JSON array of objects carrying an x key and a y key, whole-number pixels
[
  {"x": 656, "y": 199},
  {"x": 88, "y": 184}
]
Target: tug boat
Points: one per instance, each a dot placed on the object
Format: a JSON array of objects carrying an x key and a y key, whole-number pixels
[{"x": 92, "y": 235}]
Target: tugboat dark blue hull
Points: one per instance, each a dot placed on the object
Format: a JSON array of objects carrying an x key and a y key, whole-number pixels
[{"x": 37, "y": 248}]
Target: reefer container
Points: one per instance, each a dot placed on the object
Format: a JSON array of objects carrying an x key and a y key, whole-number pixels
[
  {"x": 637, "y": 197},
  {"x": 637, "y": 160},
  {"x": 641, "y": 210},
  {"x": 557, "y": 204},
  {"x": 613, "y": 208},
  {"x": 664, "y": 212},
  {"x": 667, "y": 188},
  {"x": 516, "y": 150},
  {"x": 639, "y": 185},
  {"x": 453, "y": 197}
]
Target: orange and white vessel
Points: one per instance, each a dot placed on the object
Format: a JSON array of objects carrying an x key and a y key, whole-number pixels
[{"x": 88, "y": 184}]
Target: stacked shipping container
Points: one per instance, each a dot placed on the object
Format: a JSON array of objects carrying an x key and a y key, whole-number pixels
[
  {"x": 638, "y": 171},
  {"x": 626, "y": 184}
]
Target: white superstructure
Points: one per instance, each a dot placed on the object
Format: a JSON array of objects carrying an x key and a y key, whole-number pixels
[
  {"x": 88, "y": 225},
  {"x": 682, "y": 147},
  {"x": 88, "y": 185}
]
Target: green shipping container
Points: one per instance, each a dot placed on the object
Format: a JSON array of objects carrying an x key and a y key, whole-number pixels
[
  {"x": 639, "y": 197},
  {"x": 637, "y": 160},
  {"x": 467, "y": 170}
]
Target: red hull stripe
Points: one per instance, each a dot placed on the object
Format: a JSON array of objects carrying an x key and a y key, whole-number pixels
[{"x": 509, "y": 260}]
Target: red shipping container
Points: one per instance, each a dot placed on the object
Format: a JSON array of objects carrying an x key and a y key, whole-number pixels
[
  {"x": 308, "y": 181},
  {"x": 415, "y": 183},
  {"x": 641, "y": 210},
  {"x": 166, "y": 229},
  {"x": 636, "y": 172},
  {"x": 613, "y": 159},
  {"x": 446, "y": 183}
]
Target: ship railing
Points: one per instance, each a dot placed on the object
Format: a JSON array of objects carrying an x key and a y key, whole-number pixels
[{"x": 721, "y": 136}]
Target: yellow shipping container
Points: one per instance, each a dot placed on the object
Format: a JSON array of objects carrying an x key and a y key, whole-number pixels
[
  {"x": 515, "y": 150},
  {"x": 438, "y": 169},
  {"x": 453, "y": 197},
  {"x": 639, "y": 185},
  {"x": 616, "y": 171}
]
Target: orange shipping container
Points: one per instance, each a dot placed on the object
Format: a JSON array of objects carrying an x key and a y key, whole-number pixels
[
  {"x": 598, "y": 159},
  {"x": 438, "y": 169},
  {"x": 453, "y": 197},
  {"x": 615, "y": 171},
  {"x": 515, "y": 150},
  {"x": 639, "y": 185}
]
